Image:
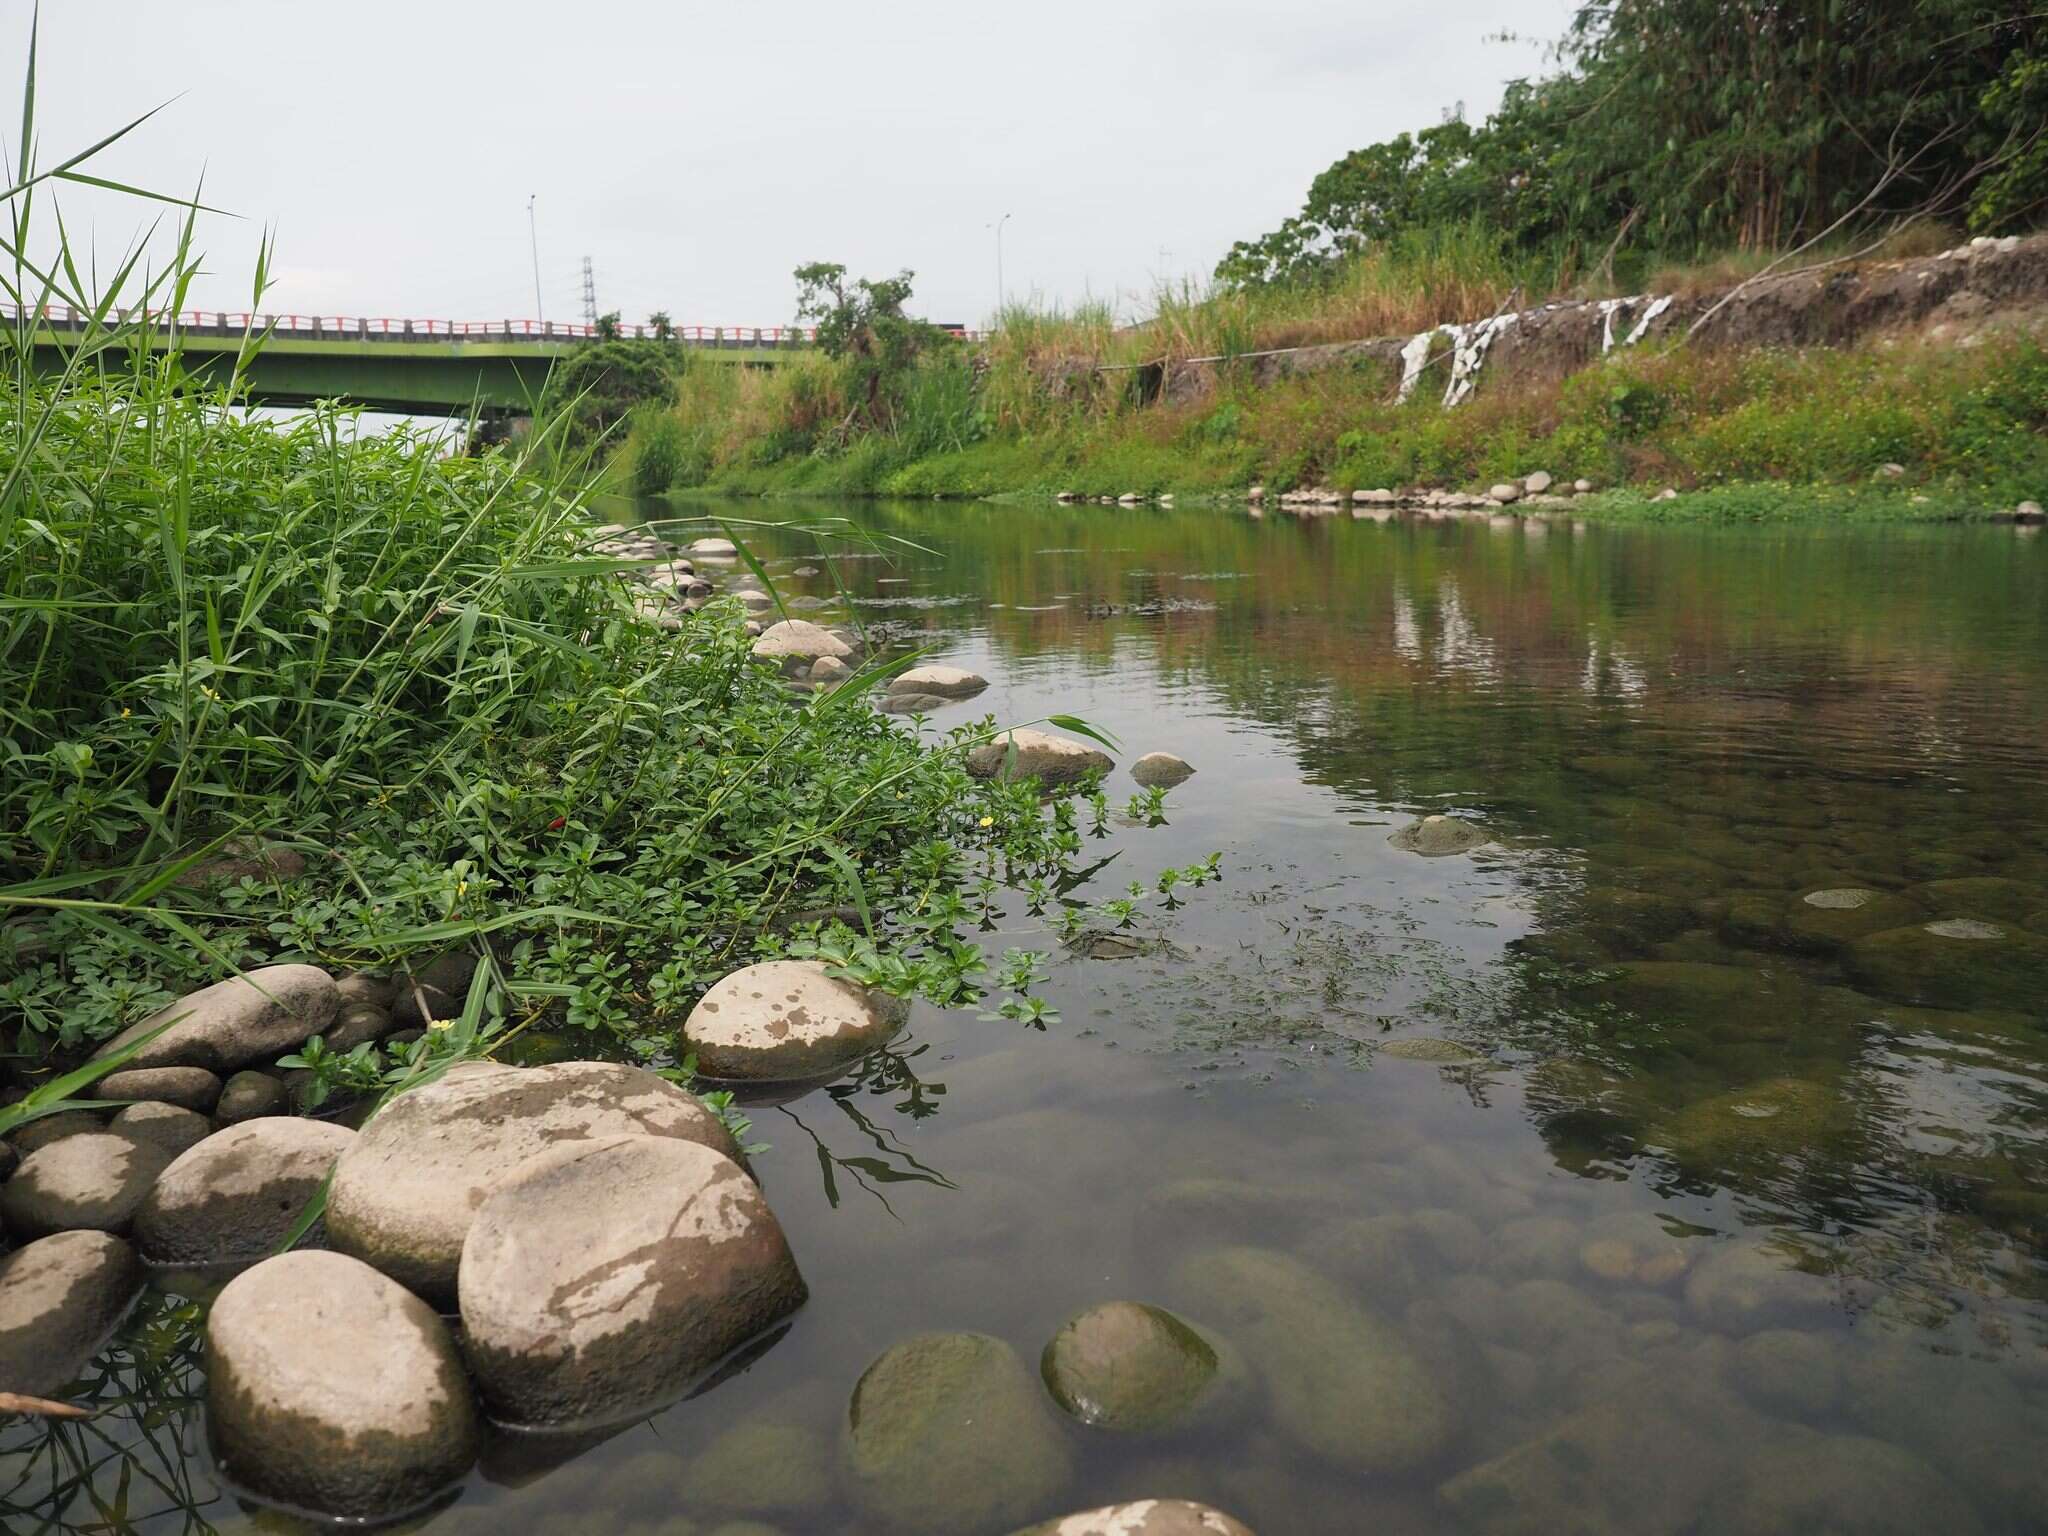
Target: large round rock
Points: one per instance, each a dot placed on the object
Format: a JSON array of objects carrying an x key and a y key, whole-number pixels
[
  {"x": 1146, "y": 1517},
  {"x": 59, "y": 1300},
  {"x": 602, "y": 1278},
  {"x": 192, "y": 1088},
  {"x": 332, "y": 1389},
  {"x": 237, "y": 1195},
  {"x": 94, "y": 1181},
  {"x": 1124, "y": 1365},
  {"x": 786, "y": 1021},
  {"x": 948, "y": 1434},
  {"x": 798, "y": 642},
  {"x": 406, "y": 1191},
  {"x": 945, "y": 682},
  {"x": 253, "y": 1017},
  {"x": 1436, "y": 837},
  {"x": 1054, "y": 761}
]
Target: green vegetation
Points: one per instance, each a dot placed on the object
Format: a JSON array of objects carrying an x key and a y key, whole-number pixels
[{"x": 221, "y": 634}]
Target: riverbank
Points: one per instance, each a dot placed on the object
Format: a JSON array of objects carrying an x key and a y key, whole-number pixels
[{"x": 1913, "y": 379}]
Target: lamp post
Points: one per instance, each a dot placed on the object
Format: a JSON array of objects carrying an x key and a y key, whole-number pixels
[
  {"x": 533, "y": 234},
  {"x": 998, "y": 227}
]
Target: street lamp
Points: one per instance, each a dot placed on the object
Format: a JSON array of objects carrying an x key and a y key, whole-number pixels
[
  {"x": 533, "y": 234},
  {"x": 1000, "y": 292}
]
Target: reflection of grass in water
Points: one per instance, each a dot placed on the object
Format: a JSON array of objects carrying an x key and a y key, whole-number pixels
[{"x": 136, "y": 1464}]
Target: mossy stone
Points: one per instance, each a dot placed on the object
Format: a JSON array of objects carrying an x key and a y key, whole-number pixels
[
  {"x": 1761, "y": 1123},
  {"x": 1801, "y": 1482},
  {"x": 2012, "y": 901},
  {"x": 1343, "y": 1383},
  {"x": 1127, "y": 1366},
  {"x": 760, "y": 1469},
  {"x": 1788, "y": 1372},
  {"x": 948, "y": 1434},
  {"x": 1943, "y": 966}
]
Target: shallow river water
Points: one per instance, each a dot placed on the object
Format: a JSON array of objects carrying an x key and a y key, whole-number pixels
[{"x": 1704, "y": 1206}]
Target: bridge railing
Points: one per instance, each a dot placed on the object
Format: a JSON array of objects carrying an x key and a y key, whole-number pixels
[{"x": 217, "y": 322}]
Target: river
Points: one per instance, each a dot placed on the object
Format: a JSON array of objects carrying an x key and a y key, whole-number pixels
[{"x": 1703, "y": 1204}]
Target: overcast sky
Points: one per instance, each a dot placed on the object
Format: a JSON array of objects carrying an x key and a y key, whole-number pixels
[{"x": 698, "y": 153}]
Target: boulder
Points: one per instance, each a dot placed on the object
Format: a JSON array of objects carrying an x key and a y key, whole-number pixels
[
  {"x": 1146, "y": 1517},
  {"x": 1745, "y": 1285},
  {"x": 947, "y": 1434},
  {"x": 256, "y": 1017},
  {"x": 187, "y": 1087},
  {"x": 250, "y": 1096},
  {"x": 233, "y": 1198},
  {"x": 1161, "y": 770},
  {"x": 164, "y": 1126},
  {"x": 1434, "y": 837},
  {"x": 406, "y": 1190},
  {"x": 44, "y": 1129},
  {"x": 61, "y": 1298},
  {"x": 787, "y": 1021},
  {"x": 93, "y": 1181},
  {"x": 1819, "y": 921},
  {"x": 434, "y": 989},
  {"x": 716, "y": 549},
  {"x": 361, "y": 1023},
  {"x": 1581, "y": 487},
  {"x": 1123, "y": 1365},
  {"x": 911, "y": 703},
  {"x": 1981, "y": 896},
  {"x": 1055, "y": 761},
  {"x": 1504, "y": 492},
  {"x": 1538, "y": 483},
  {"x": 759, "y": 1467},
  {"x": 1803, "y": 1482},
  {"x": 797, "y": 643},
  {"x": 1789, "y": 1373},
  {"x": 1953, "y": 963},
  {"x": 331, "y": 1389},
  {"x": 946, "y": 682},
  {"x": 600, "y": 1278},
  {"x": 1343, "y": 1383},
  {"x": 829, "y": 670}
]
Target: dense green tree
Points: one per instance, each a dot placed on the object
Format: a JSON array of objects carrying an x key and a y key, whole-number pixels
[
  {"x": 1685, "y": 124},
  {"x": 862, "y": 325}
]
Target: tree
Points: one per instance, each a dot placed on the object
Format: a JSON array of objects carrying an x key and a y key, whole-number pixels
[
  {"x": 608, "y": 326},
  {"x": 862, "y": 326},
  {"x": 663, "y": 328}
]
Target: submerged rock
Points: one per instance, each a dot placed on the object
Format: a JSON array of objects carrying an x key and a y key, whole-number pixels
[
  {"x": 1982, "y": 896},
  {"x": 1343, "y": 1383},
  {"x": 331, "y": 1389},
  {"x": 827, "y": 670},
  {"x": 787, "y": 1021},
  {"x": 1802, "y": 1482},
  {"x": 1741, "y": 1286},
  {"x": 94, "y": 1181},
  {"x": 1817, "y": 922},
  {"x": 947, "y": 1434},
  {"x": 1787, "y": 1372},
  {"x": 61, "y": 1297},
  {"x": 1435, "y": 836},
  {"x": 1161, "y": 770},
  {"x": 946, "y": 682},
  {"x": 602, "y": 1276},
  {"x": 1762, "y": 1123},
  {"x": 1954, "y": 963},
  {"x": 1055, "y": 761},
  {"x": 192, "y": 1088},
  {"x": 1146, "y": 1517},
  {"x": 911, "y": 703},
  {"x": 1123, "y": 1365},
  {"x": 407, "y": 1189},
  {"x": 234, "y": 1197},
  {"x": 760, "y": 1469},
  {"x": 255, "y": 1017}
]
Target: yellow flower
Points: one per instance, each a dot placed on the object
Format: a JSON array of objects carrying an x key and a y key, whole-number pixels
[
  {"x": 988, "y": 821},
  {"x": 461, "y": 889},
  {"x": 126, "y": 713},
  {"x": 440, "y": 1023}
]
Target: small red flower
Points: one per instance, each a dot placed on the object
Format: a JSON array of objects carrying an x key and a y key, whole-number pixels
[{"x": 558, "y": 823}]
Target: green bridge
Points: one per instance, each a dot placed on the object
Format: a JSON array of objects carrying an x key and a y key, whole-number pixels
[{"x": 419, "y": 367}]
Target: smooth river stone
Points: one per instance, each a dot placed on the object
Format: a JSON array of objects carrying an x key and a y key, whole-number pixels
[
  {"x": 947, "y": 1434},
  {"x": 61, "y": 1298},
  {"x": 1161, "y": 770},
  {"x": 1953, "y": 963},
  {"x": 1343, "y": 1382},
  {"x": 332, "y": 1389},
  {"x": 800, "y": 641},
  {"x": 192, "y": 1088},
  {"x": 601, "y": 1278},
  {"x": 405, "y": 1193},
  {"x": 1127, "y": 1366},
  {"x": 255, "y": 1017},
  {"x": 787, "y": 1021},
  {"x": 946, "y": 682},
  {"x": 251, "y": 1096},
  {"x": 165, "y": 1126},
  {"x": 1055, "y": 761},
  {"x": 1146, "y": 1517},
  {"x": 95, "y": 1181},
  {"x": 234, "y": 1197}
]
